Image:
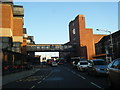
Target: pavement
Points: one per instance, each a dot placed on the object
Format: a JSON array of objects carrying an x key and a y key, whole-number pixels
[{"x": 16, "y": 76}]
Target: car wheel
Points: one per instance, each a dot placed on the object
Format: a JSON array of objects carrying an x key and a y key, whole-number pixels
[{"x": 81, "y": 70}]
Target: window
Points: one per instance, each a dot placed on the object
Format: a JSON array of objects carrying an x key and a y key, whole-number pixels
[
  {"x": 73, "y": 24},
  {"x": 116, "y": 64},
  {"x": 65, "y": 47},
  {"x": 57, "y": 47},
  {"x": 74, "y": 39},
  {"x": 99, "y": 63},
  {"x": 47, "y": 47},
  {"x": 42, "y": 47},
  {"x": 84, "y": 63},
  {"x": 82, "y": 18},
  {"x": 74, "y": 31},
  {"x": 110, "y": 65},
  {"x": 38, "y": 47}
]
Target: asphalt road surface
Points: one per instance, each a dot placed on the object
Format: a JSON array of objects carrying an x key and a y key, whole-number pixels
[{"x": 62, "y": 76}]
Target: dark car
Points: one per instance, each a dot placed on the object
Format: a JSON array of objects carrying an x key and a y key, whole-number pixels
[
  {"x": 75, "y": 62},
  {"x": 114, "y": 74},
  {"x": 97, "y": 67},
  {"x": 60, "y": 62},
  {"x": 44, "y": 63}
]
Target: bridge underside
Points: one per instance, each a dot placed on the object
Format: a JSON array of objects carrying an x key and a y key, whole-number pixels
[{"x": 49, "y": 48}]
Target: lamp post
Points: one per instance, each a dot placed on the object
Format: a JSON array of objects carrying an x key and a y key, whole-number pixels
[{"x": 111, "y": 41}]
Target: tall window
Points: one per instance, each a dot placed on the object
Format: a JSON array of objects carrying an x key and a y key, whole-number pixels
[
  {"x": 74, "y": 31},
  {"x": 73, "y": 24}
]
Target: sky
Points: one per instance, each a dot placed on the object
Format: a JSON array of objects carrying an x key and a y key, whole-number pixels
[{"x": 48, "y": 21}]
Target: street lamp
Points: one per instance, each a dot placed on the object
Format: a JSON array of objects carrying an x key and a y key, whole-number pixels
[{"x": 111, "y": 43}]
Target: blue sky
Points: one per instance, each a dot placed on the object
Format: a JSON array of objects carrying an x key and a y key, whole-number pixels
[{"x": 48, "y": 21}]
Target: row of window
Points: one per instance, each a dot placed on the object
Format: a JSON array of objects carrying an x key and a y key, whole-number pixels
[{"x": 50, "y": 47}]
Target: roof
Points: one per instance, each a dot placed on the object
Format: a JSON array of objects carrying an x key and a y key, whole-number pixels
[{"x": 105, "y": 38}]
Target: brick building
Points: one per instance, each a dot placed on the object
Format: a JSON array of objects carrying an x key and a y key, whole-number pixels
[
  {"x": 83, "y": 38},
  {"x": 12, "y": 24},
  {"x": 105, "y": 50},
  {"x": 13, "y": 37}
]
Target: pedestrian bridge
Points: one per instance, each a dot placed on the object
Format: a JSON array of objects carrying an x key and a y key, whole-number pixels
[{"x": 49, "y": 48}]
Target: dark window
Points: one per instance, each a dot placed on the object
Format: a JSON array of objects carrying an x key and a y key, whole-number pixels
[
  {"x": 110, "y": 65},
  {"x": 99, "y": 63},
  {"x": 116, "y": 64},
  {"x": 83, "y": 63}
]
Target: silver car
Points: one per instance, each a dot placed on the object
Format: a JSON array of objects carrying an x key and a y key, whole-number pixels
[
  {"x": 54, "y": 64},
  {"x": 82, "y": 65},
  {"x": 114, "y": 74},
  {"x": 97, "y": 67}
]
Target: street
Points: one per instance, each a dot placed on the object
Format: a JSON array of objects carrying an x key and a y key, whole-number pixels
[{"x": 62, "y": 76}]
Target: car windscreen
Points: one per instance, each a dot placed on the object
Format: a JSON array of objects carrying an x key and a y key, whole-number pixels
[
  {"x": 83, "y": 63},
  {"x": 99, "y": 63}
]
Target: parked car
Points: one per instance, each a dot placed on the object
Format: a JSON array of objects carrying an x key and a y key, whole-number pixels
[
  {"x": 60, "y": 62},
  {"x": 49, "y": 61},
  {"x": 82, "y": 65},
  {"x": 76, "y": 60},
  {"x": 97, "y": 67},
  {"x": 44, "y": 63},
  {"x": 54, "y": 64},
  {"x": 114, "y": 74}
]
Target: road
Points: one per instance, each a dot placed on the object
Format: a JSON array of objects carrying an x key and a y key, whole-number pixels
[{"x": 62, "y": 76}]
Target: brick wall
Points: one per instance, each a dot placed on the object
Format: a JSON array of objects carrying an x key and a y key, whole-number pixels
[{"x": 83, "y": 38}]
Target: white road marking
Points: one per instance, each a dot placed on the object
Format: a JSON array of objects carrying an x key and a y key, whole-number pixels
[
  {"x": 39, "y": 81},
  {"x": 49, "y": 74},
  {"x": 32, "y": 87},
  {"x": 81, "y": 76},
  {"x": 68, "y": 69},
  {"x": 43, "y": 78},
  {"x": 96, "y": 85},
  {"x": 73, "y": 72}
]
